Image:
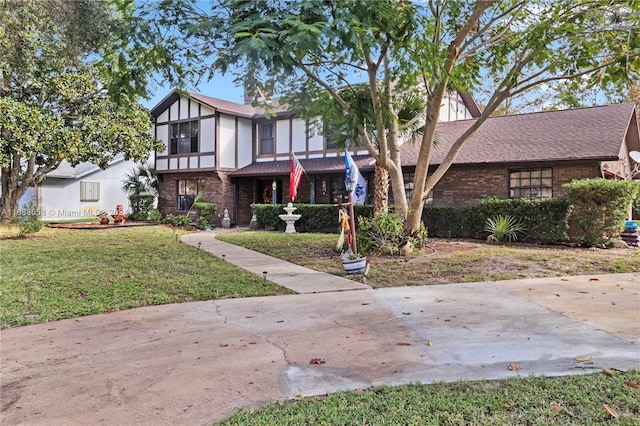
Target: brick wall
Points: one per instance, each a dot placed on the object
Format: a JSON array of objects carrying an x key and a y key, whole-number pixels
[
  {"x": 464, "y": 185},
  {"x": 218, "y": 189}
]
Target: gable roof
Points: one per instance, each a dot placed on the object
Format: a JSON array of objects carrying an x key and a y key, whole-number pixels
[
  {"x": 583, "y": 133},
  {"x": 227, "y": 107},
  {"x": 66, "y": 171}
]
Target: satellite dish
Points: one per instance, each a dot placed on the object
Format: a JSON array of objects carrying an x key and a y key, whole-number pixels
[{"x": 635, "y": 156}]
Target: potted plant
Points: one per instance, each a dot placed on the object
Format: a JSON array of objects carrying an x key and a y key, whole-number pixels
[{"x": 354, "y": 263}]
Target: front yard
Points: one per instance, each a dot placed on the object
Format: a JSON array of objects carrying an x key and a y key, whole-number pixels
[{"x": 445, "y": 261}]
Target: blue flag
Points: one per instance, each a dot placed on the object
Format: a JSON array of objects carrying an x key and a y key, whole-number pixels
[{"x": 354, "y": 179}]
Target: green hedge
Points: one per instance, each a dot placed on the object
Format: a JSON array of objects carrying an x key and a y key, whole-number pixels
[
  {"x": 600, "y": 207},
  {"x": 315, "y": 217},
  {"x": 545, "y": 220}
]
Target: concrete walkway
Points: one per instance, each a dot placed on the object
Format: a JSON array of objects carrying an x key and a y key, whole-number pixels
[{"x": 194, "y": 363}]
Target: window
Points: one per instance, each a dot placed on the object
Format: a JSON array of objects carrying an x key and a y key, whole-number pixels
[
  {"x": 187, "y": 191},
  {"x": 330, "y": 135},
  {"x": 537, "y": 183},
  {"x": 266, "y": 136},
  {"x": 338, "y": 191},
  {"x": 408, "y": 188},
  {"x": 89, "y": 191},
  {"x": 184, "y": 137}
]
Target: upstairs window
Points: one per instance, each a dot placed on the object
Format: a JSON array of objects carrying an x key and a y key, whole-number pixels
[
  {"x": 184, "y": 137},
  {"x": 536, "y": 183},
  {"x": 266, "y": 138},
  {"x": 330, "y": 135},
  {"x": 187, "y": 191}
]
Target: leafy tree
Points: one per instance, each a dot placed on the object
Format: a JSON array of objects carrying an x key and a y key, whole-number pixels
[
  {"x": 54, "y": 102},
  {"x": 399, "y": 48}
]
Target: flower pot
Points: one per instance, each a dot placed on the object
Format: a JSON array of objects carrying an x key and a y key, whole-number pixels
[{"x": 355, "y": 266}]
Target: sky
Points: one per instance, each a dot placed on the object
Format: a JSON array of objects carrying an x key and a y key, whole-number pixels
[{"x": 221, "y": 87}]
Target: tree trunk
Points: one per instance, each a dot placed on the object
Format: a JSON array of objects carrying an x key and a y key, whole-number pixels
[
  {"x": 11, "y": 194},
  {"x": 380, "y": 190}
]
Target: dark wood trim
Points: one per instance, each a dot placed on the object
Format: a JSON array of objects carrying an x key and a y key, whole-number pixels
[
  {"x": 216, "y": 144},
  {"x": 235, "y": 141},
  {"x": 290, "y": 135}
]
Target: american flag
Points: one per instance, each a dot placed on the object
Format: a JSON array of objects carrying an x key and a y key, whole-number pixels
[{"x": 294, "y": 177}]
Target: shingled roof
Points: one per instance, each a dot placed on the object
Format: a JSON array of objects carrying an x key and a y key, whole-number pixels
[
  {"x": 311, "y": 166},
  {"x": 583, "y": 133},
  {"x": 232, "y": 108}
]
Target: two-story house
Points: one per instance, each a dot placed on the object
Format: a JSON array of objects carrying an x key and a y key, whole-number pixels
[{"x": 235, "y": 154}]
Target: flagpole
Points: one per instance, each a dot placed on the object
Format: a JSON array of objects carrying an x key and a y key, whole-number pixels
[{"x": 354, "y": 246}]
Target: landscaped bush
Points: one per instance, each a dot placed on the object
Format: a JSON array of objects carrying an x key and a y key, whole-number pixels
[
  {"x": 383, "y": 233},
  {"x": 205, "y": 210},
  {"x": 28, "y": 220},
  {"x": 155, "y": 215},
  {"x": 600, "y": 207},
  {"x": 138, "y": 216},
  {"x": 544, "y": 220},
  {"x": 315, "y": 217},
  {"x": 504, "y": 227},
  {"x": 178, "y": 220}
]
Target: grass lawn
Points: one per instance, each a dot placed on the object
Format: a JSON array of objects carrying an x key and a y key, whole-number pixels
[
  {"x": 571, "y": 400},
  {"x": 66, "y": 273},
  {"x": 447, "y": 261}
]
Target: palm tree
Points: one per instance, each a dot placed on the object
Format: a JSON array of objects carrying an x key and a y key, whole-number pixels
[{"x": 142, "y": 185}]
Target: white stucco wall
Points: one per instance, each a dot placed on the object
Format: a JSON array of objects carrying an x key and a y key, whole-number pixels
[{"x": 61, "y": 197}]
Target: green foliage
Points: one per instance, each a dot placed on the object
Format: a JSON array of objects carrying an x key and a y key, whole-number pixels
[
  {"x": 177, "y": 220},
  {"x": 155, "y": 215},
  {"x": 524, "y": 400},
  {"x": 142, "y": 186},
  {"x": 544, "y": 220},
  {"x": 28, "y": 220},
  {"x": 138, "y": 216},
  {"x": 205, "y": 210},
  {"x": 503, "y": 227},
  {"x": 315, "y": 217},
  {"x": 52, "y": 103},
  {"x": 382, "y": 233},
  {"x": 600, "y": 207}
]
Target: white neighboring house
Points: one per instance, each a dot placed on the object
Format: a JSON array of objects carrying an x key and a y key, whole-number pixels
[{"x": 81, "y": 191}]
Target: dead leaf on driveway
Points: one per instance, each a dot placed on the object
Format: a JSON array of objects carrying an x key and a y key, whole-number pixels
[
  {"x": 317, "y": 361},
  {"x": 513, "y": 367},
  {"x": 583, "y": 359},
  {"x": 223, "y": 345},
  {"x": 403, "y": 344},
  {"x": 594, "y": 279}
]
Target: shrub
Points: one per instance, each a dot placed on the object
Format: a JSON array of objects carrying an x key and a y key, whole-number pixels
[
  {"x": 138, "y": 215},
  {"x": 600, "y": 207},
  {"x": 315, "y": 217},
  {"x": 504, "y": 227},
  {"x": 28, "y": 220},
  {"x": 544, "y": 220},
  {"x": 155, "y": 215},
  {"x": 177, "y": 220},
  {"x": 205, "y": 210},
  {"x": 383, "y": 233}
]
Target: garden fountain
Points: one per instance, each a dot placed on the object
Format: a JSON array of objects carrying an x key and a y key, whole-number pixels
[{"x": 290, "y": 218}]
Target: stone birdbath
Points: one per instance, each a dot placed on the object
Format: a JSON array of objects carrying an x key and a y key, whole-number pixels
[{"x": 290, "y": 218}]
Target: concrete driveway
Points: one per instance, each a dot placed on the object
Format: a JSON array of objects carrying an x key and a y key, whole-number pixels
[{"x": 195, "y": 363}]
